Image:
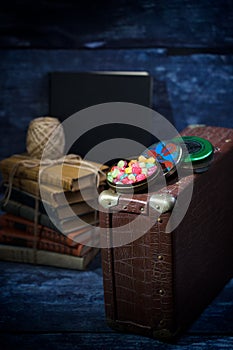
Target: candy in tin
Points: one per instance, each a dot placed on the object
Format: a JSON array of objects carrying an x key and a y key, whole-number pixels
[{"x": 133, "y": 174}]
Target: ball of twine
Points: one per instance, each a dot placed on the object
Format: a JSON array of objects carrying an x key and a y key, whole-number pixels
[{"x": 45, "y": 131}]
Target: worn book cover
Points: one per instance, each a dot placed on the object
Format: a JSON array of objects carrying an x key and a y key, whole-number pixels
[
  {"x": 52, "y": 195},
  {"x": 14, "y": 236},
  {"x": 26, "y": 212},
  {"x": 85, "y": 234},
  {"x": 64, "y": 223},
  {"x": 43, "y": 257},
  {"x": 71, "y": 225},
  {"x": 61, "y": 213},
  {"x": 71, "y": 177}
]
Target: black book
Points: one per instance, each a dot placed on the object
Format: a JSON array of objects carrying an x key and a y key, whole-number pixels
[{"x": 73, "y": 92}]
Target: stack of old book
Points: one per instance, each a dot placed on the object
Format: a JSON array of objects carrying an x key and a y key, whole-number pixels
[{"x": 27, "y": 233}]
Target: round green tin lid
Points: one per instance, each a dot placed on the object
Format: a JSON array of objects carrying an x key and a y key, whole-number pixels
[{"x": 198, "y": 148}]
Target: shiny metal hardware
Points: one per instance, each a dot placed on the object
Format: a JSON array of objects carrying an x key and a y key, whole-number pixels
[
  {"x": 161, "y": 292},
  {"x": 161, "y": 322},
  {"x": 162, "y": 202},
  {"x": 108, "y": 199},
  {"x": 193, "y": 126}
]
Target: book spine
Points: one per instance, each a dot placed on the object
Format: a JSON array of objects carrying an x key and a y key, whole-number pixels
[
  {"x": 56, "y": 237},
  {"x": 26, "y": 255},
  {"x": 31, "y": 173},
  {"x": 17, "y": 240},
  {"x": 17, "y": 237},
  {"x": 8, "y": 164},
  {"x": 71, "y": 240},
  {"x": 59, "y": 248},
  {"x": 65, "y": 183},
  {"x": 52, "y": 236},
  {"x": 62, "y": 176},
  {"x": 16, "y": 254},
  {"x": 25, "y": 198},
  {"x": 45, "y": 232},
  {"x": 51, "y": 194},
  {"x": 81, "y": 209},
  {"x": 29, "y": 186},
  {"x": 26, "y": 212},
  {"x": 44, "y": 220}
]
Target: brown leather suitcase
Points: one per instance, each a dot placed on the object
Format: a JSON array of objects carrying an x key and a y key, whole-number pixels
[{"x": 158, "y": 284}]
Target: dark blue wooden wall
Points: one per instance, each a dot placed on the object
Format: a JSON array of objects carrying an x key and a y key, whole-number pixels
[{"x": 187, "y": 46}]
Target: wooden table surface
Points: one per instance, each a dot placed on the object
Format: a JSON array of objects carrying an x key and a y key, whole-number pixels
[{"x": 51, "y": 308}]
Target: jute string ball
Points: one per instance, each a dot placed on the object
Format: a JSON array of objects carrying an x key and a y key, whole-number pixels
[{"x": 45, "y": 131}]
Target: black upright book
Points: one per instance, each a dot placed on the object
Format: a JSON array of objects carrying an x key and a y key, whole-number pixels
[{"x": 73, "y": 92}]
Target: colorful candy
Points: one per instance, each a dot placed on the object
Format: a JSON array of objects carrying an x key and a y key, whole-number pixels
[
  {"x": 140, "y": 177},
  {"x": 122, "y": 164},
  {"x": 133, "y": 171},
  {"x": 128, "y": 170}
]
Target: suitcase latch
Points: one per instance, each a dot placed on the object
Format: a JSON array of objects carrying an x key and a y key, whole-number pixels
[
  {"x": 108, "y": 199},
  {"x": 162, "y": 202}
]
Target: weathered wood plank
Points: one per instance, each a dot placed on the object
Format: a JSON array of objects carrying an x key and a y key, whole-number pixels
[
  {"x": 187, "y": 89},
  {"x": 116, "y": 341},
  {"x": 52, "y": 300},
  {"x": 106, "y": 24}
]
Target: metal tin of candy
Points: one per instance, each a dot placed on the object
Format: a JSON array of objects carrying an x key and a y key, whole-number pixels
[
  {"x": 133, "y": 175},
  {"x": 197, "y": 152},
  {"x": 199, "y": 149},
  {"x": 168, "y": 154}
]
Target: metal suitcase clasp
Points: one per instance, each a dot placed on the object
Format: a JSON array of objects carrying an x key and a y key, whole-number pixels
[
  {"x": 108, "y": 199},
  {"x": 162, "y": 202}
]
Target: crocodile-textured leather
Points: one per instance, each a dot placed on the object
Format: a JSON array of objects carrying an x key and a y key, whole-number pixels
[{"x": 160, "y": 282}]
